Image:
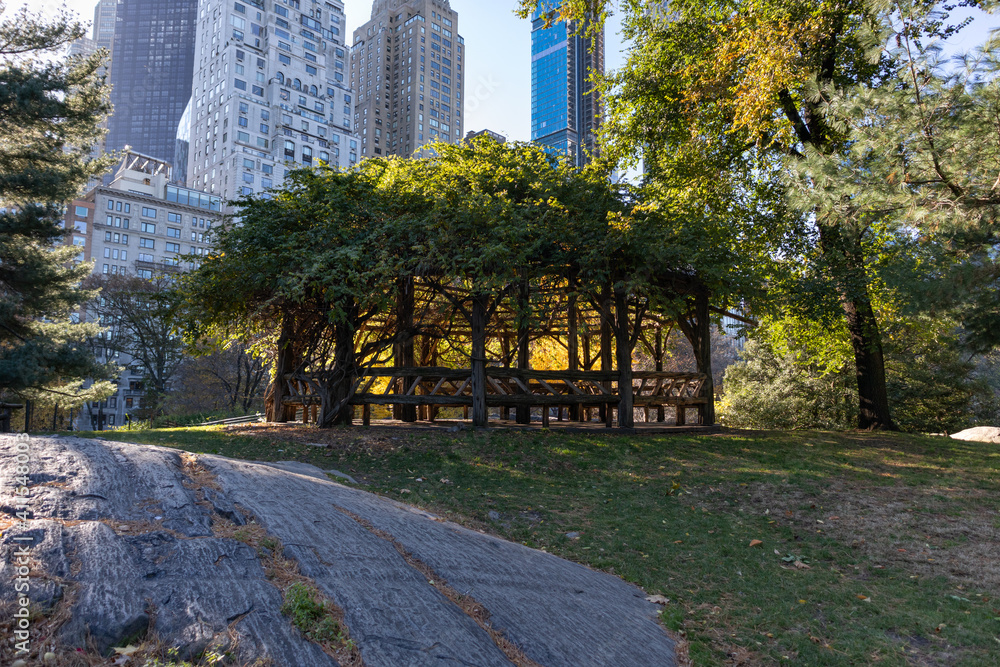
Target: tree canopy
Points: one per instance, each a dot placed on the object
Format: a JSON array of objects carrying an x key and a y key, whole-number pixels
[
  {"x": 51, "y": 111},
  {"x": 739, "y": 96},
  {"x": 325, "y": 260}
]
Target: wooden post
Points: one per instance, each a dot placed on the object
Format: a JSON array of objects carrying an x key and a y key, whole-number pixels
[
  {"x": 545, "y": 416},
  {"x": 606, "y": 353},
  {"x": 523, "y": 344},
  {"x": 703, "y": 355},
  {"x": 658, "y": 353},
  {"x": 29, "y": 413},
  {"x": 573, "y": 345},
  {"x": 480, "y": 413},
  {"x": 366, "y": 415},
  {"x": 681, "y": 415},
  {"x": 404, "y": 352},
  {"x": 505, "y": 351},
  {"x": 623, "y": 349}
]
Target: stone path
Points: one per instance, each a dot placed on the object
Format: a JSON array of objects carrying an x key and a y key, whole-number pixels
[{"x": 127, "y": 539}]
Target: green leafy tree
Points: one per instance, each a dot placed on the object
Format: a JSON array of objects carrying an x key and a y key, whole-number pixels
[
  {"x": 715, "y": 91},
  {"x": 51, "y": 112}
]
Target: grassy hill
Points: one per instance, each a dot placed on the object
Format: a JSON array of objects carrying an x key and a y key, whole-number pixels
[{"x": 798, "y": 548}]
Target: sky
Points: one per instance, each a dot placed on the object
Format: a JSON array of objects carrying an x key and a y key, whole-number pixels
[{"x": 498, "y": 46}]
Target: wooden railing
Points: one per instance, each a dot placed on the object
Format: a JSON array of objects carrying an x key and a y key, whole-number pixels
[{"x": 513, "y": 388}]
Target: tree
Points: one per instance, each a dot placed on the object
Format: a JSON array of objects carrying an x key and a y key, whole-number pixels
[
  {"x": 136, "y": 315},
  {"x": 51, "y": 113},
  {"x": 232, "y": 379},
  {"x": 306, "y": 270},
  {"x": 730, "y": 89}
]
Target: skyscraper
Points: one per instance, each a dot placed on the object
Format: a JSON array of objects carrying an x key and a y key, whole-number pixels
[
  {"x": 152, "y": 65},
  {"x": 408, "y": 70},
  {"x": 104, "y": 23},
  {"x": 565, "y": 107},
  {"x": 270, "y": 93}
]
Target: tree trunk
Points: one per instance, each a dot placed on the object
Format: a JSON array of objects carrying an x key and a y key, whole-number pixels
[
  {"x": 337, "y": 388},
  {"x": 284, "y": 363},
  {"x": 405, "y": 349},
  {"x": 847, "y": 257},
  {"x": 873, "y": 410},
  {"x": 480, "y": 414}
]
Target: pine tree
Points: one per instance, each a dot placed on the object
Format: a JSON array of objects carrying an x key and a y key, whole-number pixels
[{"x": 51, "y": 108}]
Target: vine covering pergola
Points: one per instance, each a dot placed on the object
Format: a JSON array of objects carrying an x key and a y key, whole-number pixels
[{"x": 493, "y": 279}]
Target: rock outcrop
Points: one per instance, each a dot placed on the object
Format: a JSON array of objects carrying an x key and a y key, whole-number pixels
[
  {"x": 989, "y": 434},
  {"x": 126, "y": 540}
]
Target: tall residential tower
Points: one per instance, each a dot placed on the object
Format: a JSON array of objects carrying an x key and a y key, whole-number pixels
[
  {"x": 270, "y": 93},
  {"x": 408, "y": 70},
  {"x": 566, "y": 108}
]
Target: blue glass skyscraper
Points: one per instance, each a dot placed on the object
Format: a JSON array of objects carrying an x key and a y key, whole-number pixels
[{"x": 565, "y": 108}]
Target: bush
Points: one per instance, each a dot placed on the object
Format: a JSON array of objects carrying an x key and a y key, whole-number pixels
[{"x": 765, "y": 391}]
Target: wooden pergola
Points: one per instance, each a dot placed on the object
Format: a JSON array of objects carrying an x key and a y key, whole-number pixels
[{"x": 452, "y": 348}]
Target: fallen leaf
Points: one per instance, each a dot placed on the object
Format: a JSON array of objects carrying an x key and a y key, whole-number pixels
[
  {"x": 657, "y": 599},
  {"x": 128, "y": 650},
  {"x": 756, "y": 543},
  {"x": 802, "y": 566}
]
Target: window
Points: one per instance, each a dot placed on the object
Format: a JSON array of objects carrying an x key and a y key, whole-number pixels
[
  {"x": 240, "y": 85},
  {"x": 148, "y": 228},
  {"x": 145, "y": 257},
  {"x": 243, "y": 122},
  {"x": 258, "y": 91},
  {"x": 111, "y": 205},
  {"x": 173, "y": 232},
  {"x": 265, "y": 128},
  {"x": 175, "y": 218},
  {"x": 174, "y": 247},
  {"x": 81, "y": 212},
  {"x": 147, "y": 243},
  {"x": 149, "y": 212}
]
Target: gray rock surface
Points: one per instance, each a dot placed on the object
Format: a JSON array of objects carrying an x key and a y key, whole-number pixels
[
  {"x": 308, "y": 470},
  {"x": 96, "y": 535},
  {"x": 989, "y": 434}
]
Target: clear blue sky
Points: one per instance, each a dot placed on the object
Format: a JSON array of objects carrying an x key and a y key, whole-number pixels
[{"x": 498, "y": 75}]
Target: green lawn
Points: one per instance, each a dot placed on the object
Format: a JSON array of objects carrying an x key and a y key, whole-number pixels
[{"x": 876, "y": 549}]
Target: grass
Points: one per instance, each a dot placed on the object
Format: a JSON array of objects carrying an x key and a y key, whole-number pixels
[{"x": 874, "y": 549}]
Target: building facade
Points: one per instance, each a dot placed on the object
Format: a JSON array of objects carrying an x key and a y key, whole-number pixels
[
  {"x": 151, "y": 71},
  {"x": 271, "y": 93},
  {"x": 140, "y": 225},
  {"x": 566, "y": 108},
  {"x": 408, "y": 71}
]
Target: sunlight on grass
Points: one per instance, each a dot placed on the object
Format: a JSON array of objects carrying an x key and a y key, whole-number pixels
[{"x": 691, "y": 543}]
